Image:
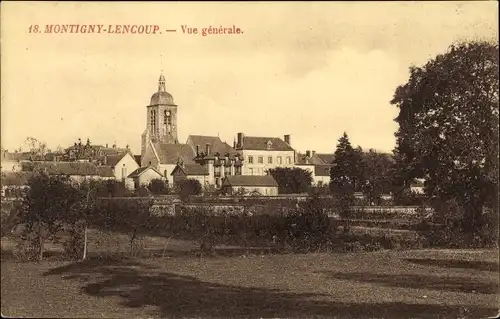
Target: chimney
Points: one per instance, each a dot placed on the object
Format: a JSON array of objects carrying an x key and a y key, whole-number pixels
[
  {"x": 241, "y": 136},
  {"x": 207, "y": 149},
  {"x": 197, "y": 150},
  {"x": 287, "y": 139},
  {"x": 114, "y": 145},
  {"x": 106, "y": 145},
  {"x": 313, "y": 153},
  {"x": 308, "y": 154}
]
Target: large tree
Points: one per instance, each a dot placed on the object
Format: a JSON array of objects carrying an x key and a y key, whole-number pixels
[
  {"x": 291, "y": 180},
  {"x": 45, "y": 208},
  {"x": 448, "y": 128},
  {"x": 345, "y": 174},
  {"x": 377, "y": 175}
]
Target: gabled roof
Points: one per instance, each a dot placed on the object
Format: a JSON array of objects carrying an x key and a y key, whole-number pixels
[
  {"x": 63, "y": 168},
  {"x": 325, "y": 158},
  {"x": 192, "y": 169},
  {"x": 138, "y": 172},
  {"x": 105, "y": 171},
  {"x": 170, "y": 153},
  {"x": 138, "y": 159},
  {"x": 250, "y": 180},
  {"x": 265, "y": 144},
  {"x": 112, "y": 159},
  {"x": 216, "y": 144}
]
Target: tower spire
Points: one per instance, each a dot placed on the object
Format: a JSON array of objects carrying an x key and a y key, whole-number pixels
[{"x": 161, "y": 83}]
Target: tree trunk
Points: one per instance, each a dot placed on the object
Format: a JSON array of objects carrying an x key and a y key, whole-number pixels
[
  {"x": 84, "y": 243},
  {"x": 40, "y": 243}
]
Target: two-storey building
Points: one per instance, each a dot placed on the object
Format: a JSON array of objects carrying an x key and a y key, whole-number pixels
[{"x": 263, "y": 153}]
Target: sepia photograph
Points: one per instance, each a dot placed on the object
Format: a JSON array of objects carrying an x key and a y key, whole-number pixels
[{"x": 251, "y": 159}]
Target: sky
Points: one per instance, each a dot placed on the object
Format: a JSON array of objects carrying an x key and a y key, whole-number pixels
[{"x": 311, "y": 70}]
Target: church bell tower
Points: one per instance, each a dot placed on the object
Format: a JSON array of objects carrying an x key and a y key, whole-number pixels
[{"x": 161, "y": 125}]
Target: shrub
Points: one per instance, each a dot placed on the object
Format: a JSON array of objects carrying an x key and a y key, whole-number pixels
[
  {"x": 188, "y": 187},
  {"x": 158, "y": 187}
]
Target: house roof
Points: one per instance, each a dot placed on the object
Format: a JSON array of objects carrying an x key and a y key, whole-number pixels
[
  {"x": 170, "y": 153},
  {"x": 105, "y": 171},
  {"x": 322, "y": 170},
  {"x": 138, "y": 172},
  {"x": 63, "y": 168},
  {"x": 325, "y": 158},
  {"x": 192, "y": 169},
  {"x": 261, "y": 144},
  {"x": 15, "y": 178},
  {"x": 138, "y": 159},
  {"x": 250, "y": 180},
  {"x": 216, "y": 144},
  {"x": 112, "y": 159}
]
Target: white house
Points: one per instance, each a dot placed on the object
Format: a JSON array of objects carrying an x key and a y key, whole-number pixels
[
  {"x": 264, "y": 185},
  {"x": 263, "y": 153},
  {"x": 144, "y": 175},
  {"x": 192, "y": 171},
  {"x": 121, "y": 164}
]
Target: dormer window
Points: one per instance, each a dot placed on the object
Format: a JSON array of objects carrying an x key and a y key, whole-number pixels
[{"x": 269, "y": 144}]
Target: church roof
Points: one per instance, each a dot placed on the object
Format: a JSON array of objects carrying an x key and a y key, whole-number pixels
[
  {"x": 162, "y": 98},
  {"x": 170, "y": 153},
  {"x": 265, "y": 144}
]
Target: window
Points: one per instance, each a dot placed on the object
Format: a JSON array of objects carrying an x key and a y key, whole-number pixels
[
  {"x": 279, "y": 160},
  {"x": 237, "y": 170},
  {"x": 217, "y": 170},
  {"x": 250, "y": 170},
  {"x": 261, "y": 159},
  {"x": 167, "y": 120},
  {"x": 288, "y": 160},
  {"x": 250, "y": 159},
  {"x": 269, "y": 160},
  {"x": 153, "y": 121},
  {"x": 227, "y": 170}
]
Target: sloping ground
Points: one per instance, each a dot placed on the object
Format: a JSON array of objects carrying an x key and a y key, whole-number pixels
[{"x": 384, "y": 284}]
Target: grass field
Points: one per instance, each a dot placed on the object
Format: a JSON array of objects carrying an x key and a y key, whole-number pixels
[{"x": 383, "y": 284}]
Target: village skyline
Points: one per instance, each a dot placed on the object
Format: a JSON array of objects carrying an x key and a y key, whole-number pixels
[{"x": 309, "y": 70}]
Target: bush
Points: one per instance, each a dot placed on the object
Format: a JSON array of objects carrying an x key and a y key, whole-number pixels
[
  {"x": 158, "y": 187},
  {"x": 74, "y": 244},
  {"x": 188, "y": 187}
]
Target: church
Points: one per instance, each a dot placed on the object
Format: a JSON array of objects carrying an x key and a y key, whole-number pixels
[
  {"x": 201, "y": 157},
  {"x": 207, "y": 158}
]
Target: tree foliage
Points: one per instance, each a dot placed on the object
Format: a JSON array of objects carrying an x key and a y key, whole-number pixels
[
  {"x": 158, "y": 187},
  {"x": 448, "y": 128},
  {"x": 377, "y": 175},
  {"x": 188, "y": 187},
  {"x": 291, "y": 180},
  {"x": 47, "y": 204}
]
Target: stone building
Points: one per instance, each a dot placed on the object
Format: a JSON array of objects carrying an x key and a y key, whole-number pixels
[
  {"x": 161, "y": 118},
  {"x": 263, "y": 153}
]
